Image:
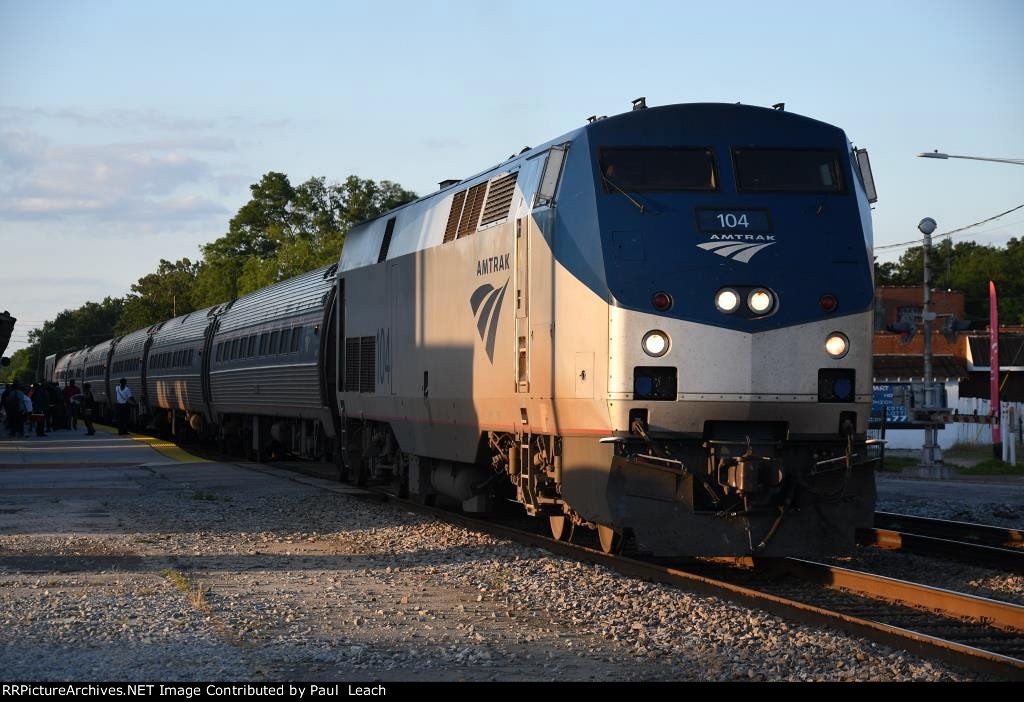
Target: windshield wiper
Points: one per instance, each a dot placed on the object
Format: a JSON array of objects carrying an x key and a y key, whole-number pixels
[{"x": 639, "y": 205}]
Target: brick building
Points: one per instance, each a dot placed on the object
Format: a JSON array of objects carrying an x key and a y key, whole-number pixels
[{"x": 904, "y": 303}]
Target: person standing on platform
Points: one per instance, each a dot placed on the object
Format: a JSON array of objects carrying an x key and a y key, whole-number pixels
[
  {"x": 14, "y": 405},
  {"x": 72, "y": 405},
  {"x": 88, "y": 406},
  {"x": 39, "y": 407},
  {"x": 57, "y": 416},
  {"x": 124, "y": 400}
]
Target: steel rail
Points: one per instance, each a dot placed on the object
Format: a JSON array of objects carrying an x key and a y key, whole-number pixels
[
  {"x": 959, "y": 605},
  {"x": 1010, "y": 559},
  {"x": 946, "y": 529},
  {"x": 965, "y": 656}
]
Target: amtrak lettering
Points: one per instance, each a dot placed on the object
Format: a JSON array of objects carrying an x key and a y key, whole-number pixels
[
  {"x": 486, "y": 303},
  {"x": 742, "y": 237},
  {"x": 494, "y": 264}
]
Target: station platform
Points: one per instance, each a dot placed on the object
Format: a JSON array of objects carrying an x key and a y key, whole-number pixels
[{"x": 72, "y": 449}]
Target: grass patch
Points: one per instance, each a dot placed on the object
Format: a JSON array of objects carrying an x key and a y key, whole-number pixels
[
  {"x": 896, "y": 464},
  {"x": 209, "y": 496},
  {"x": 993, "y": 466},
  {"x": 179, "y": 580},
  {"x": 962, "y": 450}
]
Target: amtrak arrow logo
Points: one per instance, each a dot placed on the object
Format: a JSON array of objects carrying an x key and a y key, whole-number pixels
[
  {"x": 486, "y": 304},
  {"x": 741, "y": 252}
]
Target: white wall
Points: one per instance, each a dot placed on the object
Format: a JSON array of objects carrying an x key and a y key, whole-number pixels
[{"x": 955, "y": 432}]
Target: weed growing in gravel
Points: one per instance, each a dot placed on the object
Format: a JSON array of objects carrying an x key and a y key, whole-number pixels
[
  {"x": 179, "y": 580},
  {"x": 198, "y": 600},
  {"x": 497, "y": 581}
]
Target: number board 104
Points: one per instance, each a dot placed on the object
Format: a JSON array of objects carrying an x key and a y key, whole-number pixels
[{"x": 716, "y": 220}]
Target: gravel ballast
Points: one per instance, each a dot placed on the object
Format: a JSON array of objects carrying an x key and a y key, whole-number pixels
[{"x": 249, "y": 573}]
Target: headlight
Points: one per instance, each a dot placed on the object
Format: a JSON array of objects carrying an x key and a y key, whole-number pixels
[
  {"x": 727, "y": 300},
  {"x": 655, "y": 343},
  {"x": 760, "y": 301},
  {"x": 837, "y": 345}
]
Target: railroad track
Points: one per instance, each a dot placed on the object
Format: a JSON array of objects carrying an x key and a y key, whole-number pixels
[
  {"x": 974, "y": 633},
  {"x": 978, "y": 544}
]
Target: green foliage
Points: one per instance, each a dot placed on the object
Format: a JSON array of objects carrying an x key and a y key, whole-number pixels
[
  {"x": 971, "y": 266},
  {"x": 21, "y": 367},
  {"x": 286, "y": 230},
  {"x": 160, "y": 295},
  {"x": 90, "y": 324},
  {"x": 282, "y": 231}
]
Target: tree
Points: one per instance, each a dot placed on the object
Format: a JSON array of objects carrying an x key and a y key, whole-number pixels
[
  {"x": 160, "y": 295},
  {"x": 967, "y": 266},
  {"x": 90, "y": 324},
  {"x": 284, "y": 231}
]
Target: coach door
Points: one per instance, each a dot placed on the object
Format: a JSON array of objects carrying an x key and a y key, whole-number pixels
[{"x": 522, "y": 304}]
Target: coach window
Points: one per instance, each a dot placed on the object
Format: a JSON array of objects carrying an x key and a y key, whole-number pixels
[
  {"x": 273, "y": 342},
  {"x": 252, "y": 346},
  {"x": 234, "y": 349},
  {"x": 296, "y": 336},
  {"x": 640, "y": 169},
  {"x": 286, "y": 340},
  {"x": 220, "y": 348},
  {"x": 787, "y": 170},
  {"x": 263, "y": 343}
]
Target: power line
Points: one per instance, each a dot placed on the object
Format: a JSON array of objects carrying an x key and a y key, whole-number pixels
[{"x": 917, "y": 242}]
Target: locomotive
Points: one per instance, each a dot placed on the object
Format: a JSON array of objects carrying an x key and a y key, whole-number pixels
[{"x": 656, "y": 326}]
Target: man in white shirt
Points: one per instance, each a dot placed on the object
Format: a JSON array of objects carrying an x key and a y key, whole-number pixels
[{"x": 123, "y": 397}]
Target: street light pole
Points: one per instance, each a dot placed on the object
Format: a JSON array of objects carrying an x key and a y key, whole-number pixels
[
  {"x": 931, "y": 454},
  {"x": 937, "y": 154},
  {"x": 996, "y": 407}
]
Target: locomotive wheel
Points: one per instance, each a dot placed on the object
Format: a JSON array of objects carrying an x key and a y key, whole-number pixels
[
  {"x": 611, "y": 540},
  {"x": 562, "y": 528}
]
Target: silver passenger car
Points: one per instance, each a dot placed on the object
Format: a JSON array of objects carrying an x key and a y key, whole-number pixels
[
  {"x": 265, "y": 358},
  {"x": 174, "y": 366},
  {"x": 97, "y": 373},
  {"x": 127, "y": 362}
]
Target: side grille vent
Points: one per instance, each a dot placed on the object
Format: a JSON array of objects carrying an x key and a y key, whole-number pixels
[
  {"x": 360, "y": 364},
  {"x": 471, "y": 212},
  {"x": 453, "y": 217},
  {"x": 499, "y": 198}
]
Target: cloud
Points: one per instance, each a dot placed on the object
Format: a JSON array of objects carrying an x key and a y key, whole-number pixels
[
  {"x": 140, "y": 180},
  {"x": 118, "y": 118}
]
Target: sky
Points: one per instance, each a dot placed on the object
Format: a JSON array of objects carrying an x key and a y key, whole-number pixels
[{"x": 131, "y": 131}]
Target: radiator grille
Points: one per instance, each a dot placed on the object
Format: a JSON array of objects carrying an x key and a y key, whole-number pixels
[
  {"x": 499, "y": 198},
  {"x": 471, "y": 212},
  {"x": 453, "y": 217},
  {"x": 360, "y": 364}
]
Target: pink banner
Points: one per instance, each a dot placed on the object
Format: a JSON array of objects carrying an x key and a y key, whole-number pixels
[{"x": 993, "y": 359}]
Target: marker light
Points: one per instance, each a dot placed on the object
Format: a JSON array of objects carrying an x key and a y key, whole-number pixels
[
  {"x": 661, "y": 301},
  {"x": 760, "y": 301},
  {"x": 828, "y": 303},
  {"x": 727, "y": 300},
  {"x": 837, "y": 345},
  {"x": 655, "y": 343}
]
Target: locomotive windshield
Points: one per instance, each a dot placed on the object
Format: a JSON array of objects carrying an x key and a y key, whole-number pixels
[
  {"x": 649, "y": 169},
  {"x": 787, "y": 170}
]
